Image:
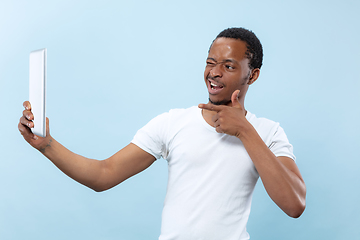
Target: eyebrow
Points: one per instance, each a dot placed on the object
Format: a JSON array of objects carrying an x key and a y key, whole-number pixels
[
  {"x": 229, "y": 60},
  {"x": 224, "y": 61},
  {"x": 211, "y": 59}
]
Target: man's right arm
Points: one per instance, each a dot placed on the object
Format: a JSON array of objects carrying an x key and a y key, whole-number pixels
[{"x": 97, "y": 175}]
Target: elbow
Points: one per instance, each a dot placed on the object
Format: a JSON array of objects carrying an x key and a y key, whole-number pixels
[
  {"x": 100, "y": 188},
  {"x": 298, "y": 204},
  {"x": 102, "y": 182},
  {"x": 297, "y": 211}
]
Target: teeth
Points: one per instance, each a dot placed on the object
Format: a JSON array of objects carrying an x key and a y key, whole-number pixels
[{"x": 213, "y": 85}]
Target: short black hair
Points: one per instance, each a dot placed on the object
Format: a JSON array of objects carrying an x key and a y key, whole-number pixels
[{"x": 255, "y": 50}]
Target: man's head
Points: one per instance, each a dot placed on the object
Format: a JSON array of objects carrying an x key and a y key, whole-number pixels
[
  {"x": 233, "y": 63},
  {"x": 255, "y": 50}
]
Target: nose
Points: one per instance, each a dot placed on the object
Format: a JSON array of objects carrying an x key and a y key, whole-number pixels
[{"x": 216, "y": 71}]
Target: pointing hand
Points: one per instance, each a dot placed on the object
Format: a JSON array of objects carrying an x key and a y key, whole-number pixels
[{"x": 228, "y": 119}]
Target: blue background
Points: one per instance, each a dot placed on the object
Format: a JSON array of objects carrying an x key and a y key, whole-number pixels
[{"x": 114, "y": 65}]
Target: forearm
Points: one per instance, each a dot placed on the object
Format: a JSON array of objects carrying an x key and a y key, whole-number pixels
[
  {"x": 285, "y": 187},
  {"x": 83, "y": 170},
  {"x": 98, "y": 175}
]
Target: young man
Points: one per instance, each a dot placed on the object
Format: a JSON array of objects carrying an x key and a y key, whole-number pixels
[{"x": 215, "y": 152}]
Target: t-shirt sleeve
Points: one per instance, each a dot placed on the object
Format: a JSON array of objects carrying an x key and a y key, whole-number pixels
[
  {"x": 280, "y": 145},
  {"x": 152, "y": 137}
]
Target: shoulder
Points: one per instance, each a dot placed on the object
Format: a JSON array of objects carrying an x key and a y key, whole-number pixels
[
  {"x": 273, "y": 135},
  {"x": 261, "y": 124},
  {"x": 267, "y": 129}
]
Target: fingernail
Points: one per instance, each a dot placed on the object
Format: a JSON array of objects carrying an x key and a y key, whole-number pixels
[{"x": 35, "y": 137}]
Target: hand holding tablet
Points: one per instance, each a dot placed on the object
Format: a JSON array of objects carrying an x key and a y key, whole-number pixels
[{"x": 37, "y": 90}]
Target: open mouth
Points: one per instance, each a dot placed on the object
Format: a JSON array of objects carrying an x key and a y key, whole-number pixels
[{"x": 215, "y": 86}]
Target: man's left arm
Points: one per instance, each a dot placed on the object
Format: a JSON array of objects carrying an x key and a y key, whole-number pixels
[{"x": 280, "y": 175}]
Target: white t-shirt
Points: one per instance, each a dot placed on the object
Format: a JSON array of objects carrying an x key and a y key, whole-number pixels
[{"x": 211, "y": 176}]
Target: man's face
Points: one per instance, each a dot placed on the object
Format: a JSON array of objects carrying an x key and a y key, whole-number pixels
[{"x": 227, "y": 69}]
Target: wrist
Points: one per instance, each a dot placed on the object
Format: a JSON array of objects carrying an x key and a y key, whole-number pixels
[
  {"x": 246, "y": 132},
  {"x": 46, "y": 146}
]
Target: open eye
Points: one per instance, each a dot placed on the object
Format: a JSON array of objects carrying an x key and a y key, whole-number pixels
[{"x": 229, "y": 67}]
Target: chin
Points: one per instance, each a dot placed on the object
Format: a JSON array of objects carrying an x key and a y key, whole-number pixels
[{"x": 222, "y": 102}]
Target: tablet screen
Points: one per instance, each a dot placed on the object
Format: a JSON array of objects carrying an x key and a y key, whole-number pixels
[{"x": 37, "y": 81}]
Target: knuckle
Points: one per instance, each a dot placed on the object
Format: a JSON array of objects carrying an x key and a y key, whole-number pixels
[
  {"x": 21, "y": 129},
  {"x": 23, "y": 120},
  {"x": 26, "y": 104},
  {"x": 24, "y": 114}
]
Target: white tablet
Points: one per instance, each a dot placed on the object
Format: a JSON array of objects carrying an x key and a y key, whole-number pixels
[{"x": 37, "y": 84}]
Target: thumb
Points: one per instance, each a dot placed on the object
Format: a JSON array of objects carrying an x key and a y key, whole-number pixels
[
  {"x": 47, "y": 127},
  {"x": 235, "y": 99}
]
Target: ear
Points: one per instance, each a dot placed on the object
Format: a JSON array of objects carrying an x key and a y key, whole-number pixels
[{"x": 254, "y": 76}]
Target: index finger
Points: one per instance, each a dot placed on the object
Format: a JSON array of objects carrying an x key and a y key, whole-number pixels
[
  {"x": 209, "y": 106},
  {"x": 27, "y": 105}
]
